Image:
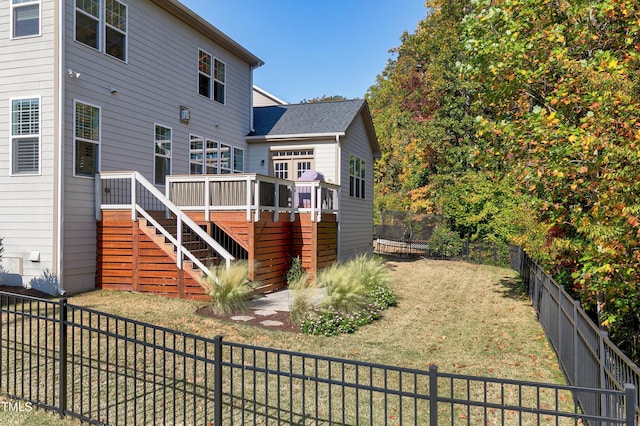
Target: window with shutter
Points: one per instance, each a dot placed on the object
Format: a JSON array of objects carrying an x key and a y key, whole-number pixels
[{"x": 25, "y": 136}]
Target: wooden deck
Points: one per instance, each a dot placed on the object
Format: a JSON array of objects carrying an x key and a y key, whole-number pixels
[{"x": 131, "y": 257}]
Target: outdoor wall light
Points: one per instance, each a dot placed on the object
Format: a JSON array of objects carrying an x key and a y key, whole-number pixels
[
  {"x": 185, "y": 115},
  {"x": 73, "y": 74}
]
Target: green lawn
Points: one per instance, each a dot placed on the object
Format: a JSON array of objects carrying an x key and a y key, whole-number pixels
[{"x": 464, "y": 318}]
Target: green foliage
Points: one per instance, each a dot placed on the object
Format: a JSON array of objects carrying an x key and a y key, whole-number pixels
[
  {"x": 229, "y": 288},
  {"x": 324, "y": 98},
  {"x": 445, "y": 242},
  {"x": 295, "y": 271},
  {"x": 346, "y": 292},
  {"x": 357, "y": 293}
]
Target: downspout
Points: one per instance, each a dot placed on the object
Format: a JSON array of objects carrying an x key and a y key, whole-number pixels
[
  {"x": 339, "y": 182},
  {"x": 60, "y": 164}
]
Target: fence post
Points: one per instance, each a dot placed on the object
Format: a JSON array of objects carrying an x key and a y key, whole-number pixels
[
  {"x": 602, "y": 359},
  {"x": 630, "y": 404},
  {"x": 62, "y": 368},
  {"x": 433, "y": 395},
  {"x": 217, "y": 391}
]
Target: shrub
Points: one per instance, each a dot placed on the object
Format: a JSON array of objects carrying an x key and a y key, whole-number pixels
[
  {"x": 360, "y": 283},
  {"x": 345, "y": 291},
  {"x": 300, "y": 301},
  {"x": 229, "y": 288},
  {"x": 370, "y": 270},
  {"x": 295, "y": 271},
  {"x": 445, "y": 242}
]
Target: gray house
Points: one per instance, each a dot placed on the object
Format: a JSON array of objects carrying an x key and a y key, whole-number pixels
[{"x": 95, "y": 93}]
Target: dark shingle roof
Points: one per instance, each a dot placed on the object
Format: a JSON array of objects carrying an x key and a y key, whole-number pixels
[{"x": 310, "y": 118}]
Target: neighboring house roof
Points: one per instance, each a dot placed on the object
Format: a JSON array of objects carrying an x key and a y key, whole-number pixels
[
  {"x": 266, "y": 97},
  {"x": 186, "y": 15},
  {"x": 311, "y": 120}
]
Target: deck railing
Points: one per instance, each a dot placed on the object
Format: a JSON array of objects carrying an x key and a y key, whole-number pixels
[
  {"x": 131, "y": 191},
  {"x": 252, "y": 193}
]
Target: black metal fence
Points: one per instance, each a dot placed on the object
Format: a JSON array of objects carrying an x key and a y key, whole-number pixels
[
  {"x": 587, "y": 357},
  {"x": 105, "y": 369}
]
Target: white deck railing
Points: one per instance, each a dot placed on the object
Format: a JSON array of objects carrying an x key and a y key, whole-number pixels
[
  {"x": 131, "y": 191},
  {"x": 252, "y": 193}
]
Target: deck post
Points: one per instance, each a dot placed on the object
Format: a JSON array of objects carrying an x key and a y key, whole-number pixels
[
  {"x": 293, "y": 202},
  {"x": 179, "y": 239},
  {"x": 207, "y": 197},
  {"x": 248, "y": 198},
  {"x": 134, "y": 213},
  {"x": 256, "y": 198},
  {"x": 313, "y": 202},
  {"x": 276, "y": 202}
]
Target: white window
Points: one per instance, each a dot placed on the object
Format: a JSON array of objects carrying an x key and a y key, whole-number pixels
[
  {"x": 87, "y": 139},
  {"x": 219, "y": 78},
  {"x": 102, "y": 25},
  {"x": 25, "y": 136},
  {"x": 357, "y": 174},
  {"x": 207, "y": 156},
  {"x": 225, "y": 159},
  {"x": 292, "y": 163},
  {"x": 25, "y": 20},
  {"x": 211, "y": 77},
  {"x": 238, "y": 160},
  {"x": 162, "y": 158},
  {"x": 196, "y": 155}
]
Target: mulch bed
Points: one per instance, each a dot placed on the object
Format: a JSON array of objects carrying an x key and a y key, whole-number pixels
[
  {"x": 283, "y": 317},
  {"x": 25, "y": 291}
]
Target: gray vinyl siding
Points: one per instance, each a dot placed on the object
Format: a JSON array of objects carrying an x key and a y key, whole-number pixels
[
  {"x": 26, "y": 202},
  {"x": 356, "y": 215},
  {"x": 159, "y": 76}
]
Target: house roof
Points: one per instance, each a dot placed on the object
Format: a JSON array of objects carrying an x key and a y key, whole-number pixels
[
  {"x": 189, "y": 17},
  {"x": 311, "y": 120}
]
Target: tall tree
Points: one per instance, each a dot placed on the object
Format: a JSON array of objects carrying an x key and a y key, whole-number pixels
[{"x": 559, "y": 112}]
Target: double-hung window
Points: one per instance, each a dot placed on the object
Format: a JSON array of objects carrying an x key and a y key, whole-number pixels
[
  {"x": 357, "y": 174},
  {"x": 204, "y": 73},
  {"x": 102, "y": 25},
  {"x": 211, "y": 77},
  {"x": 162, "y": 158},
  {"x": 25, "y": 136},
  {"x": 219, "y": 78},
  {"x": 25, "y": 20},
  {"x": 207, "y": 156},
  {"x": 87, "y": 139}
]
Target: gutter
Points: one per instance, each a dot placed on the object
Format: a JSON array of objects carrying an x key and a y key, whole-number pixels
[
  {"x": 60, "y": 166},
  {"x": 295, "y": 136}
]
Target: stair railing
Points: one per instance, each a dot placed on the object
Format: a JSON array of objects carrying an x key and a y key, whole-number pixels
[{"x": 119, "y": 196}]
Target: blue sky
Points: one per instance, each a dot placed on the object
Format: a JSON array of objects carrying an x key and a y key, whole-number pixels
[{"x": 313, "y": 48}]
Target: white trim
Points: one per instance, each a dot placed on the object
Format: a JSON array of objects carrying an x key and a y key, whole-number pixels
[
  {"x": 12, "y": 136},
  {"x": 11, "y": 19},
  {"x": 294, "y": 136},
  {"x": 99, "y": 142},
  {"x": 213, "y": 81},
  {"x": 210, "y": 96},
  {"x": 59, "y": 240},
  {"x": 104, "y": 26},
  {"x": 170, "y": 156}
]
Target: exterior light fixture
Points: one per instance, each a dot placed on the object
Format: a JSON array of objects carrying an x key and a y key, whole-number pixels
[{"x": 185, "y": 115}]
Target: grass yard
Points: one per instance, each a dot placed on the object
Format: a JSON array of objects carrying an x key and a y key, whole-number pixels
[{"x": 464, "y": 318}]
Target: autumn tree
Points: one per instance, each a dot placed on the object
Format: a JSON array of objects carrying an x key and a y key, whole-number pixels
[{"x": 559, "y": 112}]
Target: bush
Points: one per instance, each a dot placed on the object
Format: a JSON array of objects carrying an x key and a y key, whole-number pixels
[
  {"x": 445, "y": 243},
  {"x": 345, "y": 291},
  {"x": 295, "y": 271},
  {"x": 229, "y": 288},
  {"x": 357, "y": 293}
]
